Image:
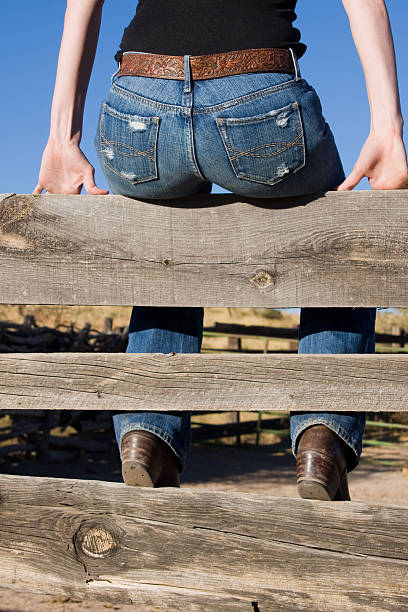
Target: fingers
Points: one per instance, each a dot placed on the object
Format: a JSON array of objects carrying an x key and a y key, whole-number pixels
[
  {"x": 351, "y": 181},
  {"x": 89, "y": 184},
  {"x": 96, "y": 191}
]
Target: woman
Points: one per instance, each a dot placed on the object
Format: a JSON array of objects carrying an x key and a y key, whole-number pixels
[{"x": 212, "y": 92}]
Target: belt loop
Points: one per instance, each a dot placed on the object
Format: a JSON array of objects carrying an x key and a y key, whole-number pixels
[
  {"x": 115, "y": 73},
  {"x": 187, "y": 74},
  {"x": 295, "y": 62}
]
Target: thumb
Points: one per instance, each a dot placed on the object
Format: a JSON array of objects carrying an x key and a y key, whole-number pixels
[
  {"x": 38, "y": 189},
  {"x": 351, "y": 180},
  {"x": 89, "y": 184}
]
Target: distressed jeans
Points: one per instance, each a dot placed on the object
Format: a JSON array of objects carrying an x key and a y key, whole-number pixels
[{"x": 259, "y": 135}]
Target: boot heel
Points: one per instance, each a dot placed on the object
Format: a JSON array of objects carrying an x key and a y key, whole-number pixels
[
  {"x": 317, "y": 475},
  {"x": 311, "y": 489},
  {"x": 136, "y": 474},
  {"x": 321, "y": 464},
  {"x": 147, "y": 461}
]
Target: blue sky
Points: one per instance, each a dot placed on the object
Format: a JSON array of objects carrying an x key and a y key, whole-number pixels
[{"x": 29, "y": 47}]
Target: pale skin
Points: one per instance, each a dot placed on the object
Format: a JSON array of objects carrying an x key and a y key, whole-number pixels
[{"x": 383, "y": 159}]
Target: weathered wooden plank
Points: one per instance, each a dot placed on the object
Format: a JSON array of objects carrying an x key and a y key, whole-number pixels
[
  {"x": 186, "y": 549},
  {"x": 206, "y": 382},
  {"x": 331, "y": 249}
]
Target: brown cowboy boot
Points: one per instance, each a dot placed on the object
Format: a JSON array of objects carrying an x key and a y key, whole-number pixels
[
  {"x": 321, "y": 464},
  {"x": 147, "y": 461}
]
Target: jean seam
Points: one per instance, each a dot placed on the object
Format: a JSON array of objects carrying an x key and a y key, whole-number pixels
[
  {"x": 249, "y": 97},
  {"x": 149, "y": 102},
  {"x": 107, "y": 108},
  {"x": 208, "y": 109},
  {"x": 190, "y": 148},
  {"x": 292, "y": 107}
]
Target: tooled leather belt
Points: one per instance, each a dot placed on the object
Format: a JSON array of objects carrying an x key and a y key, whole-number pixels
[{"x": 207, "y": 66}]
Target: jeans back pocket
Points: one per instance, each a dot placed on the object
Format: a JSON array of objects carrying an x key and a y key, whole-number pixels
[
  {"x": 265, "y": 148},
  {"x": 128, "y": 144}
]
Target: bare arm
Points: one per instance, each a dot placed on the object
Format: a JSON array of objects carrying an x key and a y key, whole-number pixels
[
  {"x": 383, "y": 158},
  {"x": 64, "y": 168}
]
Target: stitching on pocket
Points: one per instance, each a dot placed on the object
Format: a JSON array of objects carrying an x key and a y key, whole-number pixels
[
  {"x": 285, "y": 146},
  {"x": 285, "y": 157},
  {"x": 124, "y": 144},
  {"x": 136, "y": 154}
]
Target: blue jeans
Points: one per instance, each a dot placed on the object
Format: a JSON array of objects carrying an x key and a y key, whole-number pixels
[{"x": 258, "y": 135}]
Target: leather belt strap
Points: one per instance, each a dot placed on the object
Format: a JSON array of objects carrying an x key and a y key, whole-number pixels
[{"x": 207, "y": 66}]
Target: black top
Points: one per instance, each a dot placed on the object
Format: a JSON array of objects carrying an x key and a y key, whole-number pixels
[{"x": 198, "y": 27}]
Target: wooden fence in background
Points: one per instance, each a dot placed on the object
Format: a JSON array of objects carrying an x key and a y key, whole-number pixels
[
  {"x": 235, "y": 331},
  {"x": 187, "y": 549}
]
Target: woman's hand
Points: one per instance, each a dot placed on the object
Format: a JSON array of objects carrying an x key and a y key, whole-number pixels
[
  {"x": 65, "y": 169},
  {"x": 383, "y": 160}
]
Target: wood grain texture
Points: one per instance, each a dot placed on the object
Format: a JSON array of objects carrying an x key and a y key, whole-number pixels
[
  {"x": 330, "y": 249},
  {"x": 185, "y": 549},
  {"x": 157, "y": 381}
]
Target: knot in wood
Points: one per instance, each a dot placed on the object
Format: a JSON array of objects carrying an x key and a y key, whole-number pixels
[
  {"x": 166, "y": 261},
  {"x": 14, "y": 208},
  {"x": 262, "y": 279},
  {"x": 97, "y": 542}
]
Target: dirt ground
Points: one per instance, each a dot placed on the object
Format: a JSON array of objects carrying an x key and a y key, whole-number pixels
[{"x": 227, "y": 468}]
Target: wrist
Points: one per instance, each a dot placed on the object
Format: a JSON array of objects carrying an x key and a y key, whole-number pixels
[
  {"x": 58, "y": 141},
  {"x": 393, "y": 126},
  {"x": 66, "y": 121}
]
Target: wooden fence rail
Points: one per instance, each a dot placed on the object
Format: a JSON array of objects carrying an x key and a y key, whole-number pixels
[
  {"x": 204, "y": 382},
  {"x": 202, "y": 550},
  {"x": 205, "y": 250}
]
